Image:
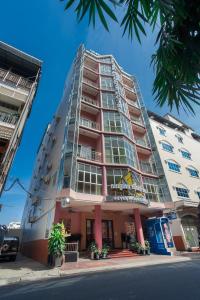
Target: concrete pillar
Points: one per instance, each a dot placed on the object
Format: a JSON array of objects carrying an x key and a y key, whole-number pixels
[
  {"x": 98, "y": 226},
  {"x": 138, "y": 225}
]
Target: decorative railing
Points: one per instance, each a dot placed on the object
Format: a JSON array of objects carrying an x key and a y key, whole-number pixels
[
  {"x": 137, "y": 120},
  {"x": 90, "y": 155},
  {"x": 8, "y": 118},
  {"x": 15, "y": 79},
  {"x": 89, "y": 66},
  {"x": 142, "y": 142},
  {"x": 90, "y": 82},
  {"x": 89, "y": 100},
  {"x": 89, "y": 123},
  {"x": 133, "y": 103}
]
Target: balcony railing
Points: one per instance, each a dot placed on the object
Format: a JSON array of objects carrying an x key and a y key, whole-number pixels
[
  {"x": 15, "y": 79},
  {"x": 133, "y": 103},
  {"x": 89, "y": 100},
  {"x": 90, "y": 155},
  {"x": 90, "y": 82},
  {"x": 147, "y": 167},
  {"x": 137, "y": 120},
  {"x": 90, "y": 67},
  {"x": 89, "y": 123},
  {"x": 8, "y": 118},
  {"x": 142, "y": 142}
]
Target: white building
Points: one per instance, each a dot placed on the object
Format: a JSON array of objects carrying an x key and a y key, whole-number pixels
[
  {"x": 177, "y": 149},
  {"x": 19, "y": 76}
]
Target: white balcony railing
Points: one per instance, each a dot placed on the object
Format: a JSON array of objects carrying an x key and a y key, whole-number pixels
[
  {"x": 90, "y": 82},
  {"x": 142, "y": 142},
  {"x": 90, "y": 155},
  {"x": 8, "y": 118},
  {"x": 89, "y": 123},
  {"x": 8, "y": 76},
  {"x": 89, "y": 100}
]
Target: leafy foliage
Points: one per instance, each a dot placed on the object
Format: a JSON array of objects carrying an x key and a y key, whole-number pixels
[
  {"x": 56, "y": 242},
  {"x": 177, "y": 59}
]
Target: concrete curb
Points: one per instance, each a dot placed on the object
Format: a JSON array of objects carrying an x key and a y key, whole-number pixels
[{"x": 56, "y": 273}]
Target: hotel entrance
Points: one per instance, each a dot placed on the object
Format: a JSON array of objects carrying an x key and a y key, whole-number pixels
[{"x": 107, "y": 232}]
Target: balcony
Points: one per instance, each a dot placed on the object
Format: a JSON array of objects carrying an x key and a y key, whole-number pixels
[
  {"x": 89, "y": 124},
  {"x": 8, "y": 118},
  {"x": 133, "y": 103},
  {"x": 137, "y": 120},
  {"x": 141, "y": 141},
  {"x": 147, "y": 167},
  {"x": 89, "y": 155},
  {"x": 89, "y": 100},
  {"x": 91, "y": 65},
  {"x": 15, "y": 79},
  {"x": 90, "y": 82}
]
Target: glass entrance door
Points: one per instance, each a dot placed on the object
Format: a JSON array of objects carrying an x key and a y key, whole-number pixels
[{"x": 107, "y": 233}]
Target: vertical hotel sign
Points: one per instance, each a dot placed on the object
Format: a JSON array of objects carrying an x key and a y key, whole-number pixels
[{"x": 129, "y": 189}]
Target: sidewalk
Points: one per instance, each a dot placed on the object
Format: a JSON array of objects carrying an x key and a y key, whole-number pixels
[{"x": 25, "y": 269}]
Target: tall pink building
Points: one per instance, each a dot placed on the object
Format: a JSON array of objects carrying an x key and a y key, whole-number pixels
[{"x": 95, "y": 170}]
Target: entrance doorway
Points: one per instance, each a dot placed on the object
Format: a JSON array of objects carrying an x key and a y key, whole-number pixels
[
  {"x": 107, "y": 232},
  {"x": 189, "y": 224}
]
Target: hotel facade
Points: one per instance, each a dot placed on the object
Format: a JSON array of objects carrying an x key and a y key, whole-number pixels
[
  {"x": 176, "y": 147},
  {"x": 95, "y": 168},
  {"x": 19, "y": 76}
]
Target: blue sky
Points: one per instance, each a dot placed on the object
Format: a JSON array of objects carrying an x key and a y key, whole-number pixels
[{"x": 44, "y": 30}]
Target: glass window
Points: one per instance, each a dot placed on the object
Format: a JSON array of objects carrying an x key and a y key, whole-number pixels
[
  {"x": 107, "y": 83},
  {"x": 108, "y": 100},
  {"x": 193, "y": 172},
  {"x": 116, "y": 122},
  {"x": 120, "y": 151},
  {"x": 162, "y": 131},
  {"x": 105, "y": 69},
  {"x": 153, "y": 192},
  {"x": 89, "y": 179},
  {"x": 182, "y": 192},
  {"x": 167, "y": 147},
  {"x": 185, "y": 154},
  {"x": 179, "y": 138},
  {"x": 173, "y": 166}
]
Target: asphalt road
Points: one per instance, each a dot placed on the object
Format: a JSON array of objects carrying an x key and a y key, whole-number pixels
[{"x": 163, "y": 282}]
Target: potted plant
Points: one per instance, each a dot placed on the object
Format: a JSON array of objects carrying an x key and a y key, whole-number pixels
[
  {"x": 142, "y": 249},
  {"x": 92, "y": 248},
  {"x": 56, "y": 244},
  {"x": 97, "y": 253},
  {"x": 147, "y": 247},
  {"x": 104, "y": 251}
]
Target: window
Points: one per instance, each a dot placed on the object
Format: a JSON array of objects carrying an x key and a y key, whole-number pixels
[
  {"x": 114, "y": 176},
  {"x": 162, "y": 131},
  {"x": 108, "y": 100},
  {"x": 182, "y": 192},
  {"x": 185, "y": 154},
  {"x": 173, "y": 166},
  {"x": 107, "y": 83},
  {"x": 105, "y": 69},
  {"x": 116, "y": 122},
  {"x": 123, "y": 106},
  {"x": 167, "y": 147},
  {"x": 120, "y": 151},
  {"x": 179, "y": 138},
  {"x": 152, "y": 190},
  {"x": 193, "y": 172},
  {"x": 89, "y": 179},
  {"x": 198, "y": 194}
]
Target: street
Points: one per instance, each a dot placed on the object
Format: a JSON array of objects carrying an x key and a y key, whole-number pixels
[{"x": 171, "y": 281}]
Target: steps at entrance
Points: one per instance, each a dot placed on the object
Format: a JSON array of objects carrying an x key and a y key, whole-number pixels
[{"x": 121, "y": 253}]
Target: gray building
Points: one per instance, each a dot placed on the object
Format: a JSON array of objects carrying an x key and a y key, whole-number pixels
[{"x": 19, "y": 77}]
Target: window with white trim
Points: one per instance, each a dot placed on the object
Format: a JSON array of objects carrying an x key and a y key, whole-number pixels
[
  {"x": 173, "y": 166},
  {"x": 193, "y": 172},
  {"x": 167, "y": 147},
  {"x": 179, "y": 138},
  {"x": 185, "y": 154},
  {"x": 162, "y": 131},
  {"x": 108, "y": 100},
  {"x": 105, "y": 69},
  {"x": 182, "y": 192},
  {"x": 107, "y": 83}
]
